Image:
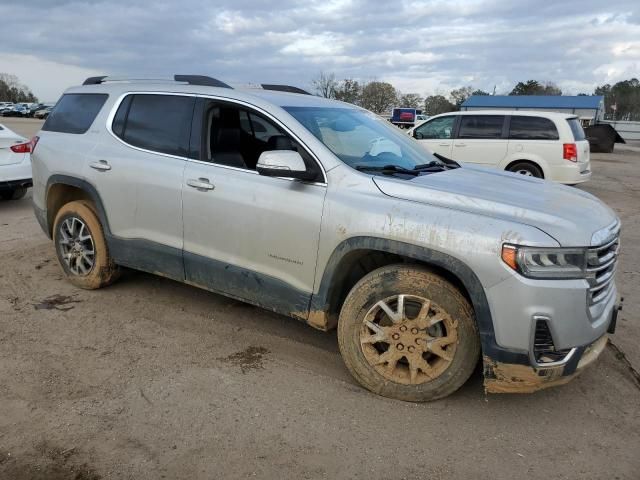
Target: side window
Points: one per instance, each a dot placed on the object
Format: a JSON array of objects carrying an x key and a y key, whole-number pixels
[
  {"x": 75, "y": 112},
  {"x": 437, "y": 128},
  {"x": 236, "y": 137},
  {"x": 160, "y": 123},
  {"x": 532, "y": 128},
  {"x": 481, "y": 126}
]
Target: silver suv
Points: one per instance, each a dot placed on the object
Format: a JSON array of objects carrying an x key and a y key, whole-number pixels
[{"x": 323, "y": 211}]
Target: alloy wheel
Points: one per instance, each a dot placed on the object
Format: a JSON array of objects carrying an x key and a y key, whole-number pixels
[
  {"x": 408, "y": 339},
  {"x": 76, "y": 246}
]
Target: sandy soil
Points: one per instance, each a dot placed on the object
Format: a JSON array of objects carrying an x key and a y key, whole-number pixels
[{"x": 152, "y": 379}]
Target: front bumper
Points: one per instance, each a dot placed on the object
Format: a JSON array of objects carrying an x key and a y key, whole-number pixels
[{"x": 515, "y": 378}]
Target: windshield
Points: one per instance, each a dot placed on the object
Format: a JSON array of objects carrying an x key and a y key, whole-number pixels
[{"x": 361, "y": 139}]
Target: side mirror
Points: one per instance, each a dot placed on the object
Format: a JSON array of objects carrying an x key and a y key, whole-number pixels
[
  {"x": 417, "y": 135},
  {"x": 284, "y": 164}
]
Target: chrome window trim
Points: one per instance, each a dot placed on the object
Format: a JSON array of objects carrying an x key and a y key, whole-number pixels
[
  {"x": 120, "y": 99},
  {"x": 114, "y": 110}
]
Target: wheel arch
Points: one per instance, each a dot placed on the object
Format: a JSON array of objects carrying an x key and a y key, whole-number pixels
[
  {"x": 326, "y": 302},
  {"x": 538, "y": 162},
  {"x": 62, "y": 189}
]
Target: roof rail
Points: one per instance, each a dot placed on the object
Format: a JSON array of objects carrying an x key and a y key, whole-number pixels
[
  {"x": 189, "y": 79},
  {"x": 283, "y": 88}
]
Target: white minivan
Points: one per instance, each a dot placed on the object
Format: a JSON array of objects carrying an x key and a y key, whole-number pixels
[{"x": 540, "y": 144}]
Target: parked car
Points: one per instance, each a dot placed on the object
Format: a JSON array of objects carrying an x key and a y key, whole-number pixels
[
  {"x": 538, "y": 144},
  {"x": 5, "y": 107},
  {"x": 34, "y": 107},
  {"x": 15, "y": 164},
  {"x": 43, "y": 113},
  {"x": 15, "y": 111},
  {"x": 331, "y": 215}
]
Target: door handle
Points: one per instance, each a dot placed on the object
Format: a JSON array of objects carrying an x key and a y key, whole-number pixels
[
  {"x": 459, "y": 144},
  {"x": 201, "y": 184},
  {"x": 444, "y": 144},
  {"x": 101, "y": 165}
]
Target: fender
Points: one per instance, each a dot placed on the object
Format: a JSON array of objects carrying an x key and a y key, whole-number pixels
[{"x": 319, "y": 316}]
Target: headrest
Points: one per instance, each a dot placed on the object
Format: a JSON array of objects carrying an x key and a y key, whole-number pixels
[
  {"x": 228, "y": 138},
  {"x": 279, "y": 142}
]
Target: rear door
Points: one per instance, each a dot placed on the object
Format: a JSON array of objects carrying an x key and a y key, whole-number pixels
[
  {"x": 533, "y": 137},
  {"x": 137, "y": 171},
  {"x": 436, "y": 134},
  {"x": 480, "y": 139}
]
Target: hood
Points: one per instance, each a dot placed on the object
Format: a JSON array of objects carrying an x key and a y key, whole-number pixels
[{"x": 568, "y": 214}]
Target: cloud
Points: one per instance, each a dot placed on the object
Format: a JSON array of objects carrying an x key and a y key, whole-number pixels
[{"x": 421, "y": 46}]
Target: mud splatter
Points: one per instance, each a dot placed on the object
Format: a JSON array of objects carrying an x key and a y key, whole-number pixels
[
  {"x": 250, "y": 358},
  {"x": 56, "y": 302}
]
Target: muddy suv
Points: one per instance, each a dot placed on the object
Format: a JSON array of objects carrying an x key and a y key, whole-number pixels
[{"x": 323, "y": 211}]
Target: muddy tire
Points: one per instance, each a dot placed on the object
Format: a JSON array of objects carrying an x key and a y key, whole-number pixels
[
  {"x": 81, "y": 247},
  {"x": 14, "y": 194},
  {"x": 409, "y": 334}
]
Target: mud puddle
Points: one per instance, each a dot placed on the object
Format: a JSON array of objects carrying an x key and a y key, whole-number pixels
[
  {"x": 251, "y": 358},
  {"x": 56, "y": 302}
]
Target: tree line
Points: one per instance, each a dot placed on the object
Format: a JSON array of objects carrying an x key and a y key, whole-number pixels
[
  {"x": 381, "y": 97},
  {"x": 11, "y": 90}
]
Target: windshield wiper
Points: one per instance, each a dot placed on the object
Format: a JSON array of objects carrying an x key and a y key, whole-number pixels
[
  {"x": 387, "y": 169},
  {"x": 434, "y": 166}
]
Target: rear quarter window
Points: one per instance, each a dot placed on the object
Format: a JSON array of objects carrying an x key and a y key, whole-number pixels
[
  {"x": 75, "y": 112},
  {"x": 532, "y": 128},
  {"x": 160, "y": 123},
  {"x": 576, "y": 128}
]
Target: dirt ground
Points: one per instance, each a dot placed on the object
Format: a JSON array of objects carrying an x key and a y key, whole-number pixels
[{"x": 153, "y": 379}]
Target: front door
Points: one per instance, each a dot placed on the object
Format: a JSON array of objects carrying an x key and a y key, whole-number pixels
[
  {"x": 245, "y": 235},
  {"x": 436, "y": 135}
]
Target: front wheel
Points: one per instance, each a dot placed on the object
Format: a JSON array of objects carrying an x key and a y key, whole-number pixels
[
  {"x": 81, "y": 247},
  {"x": 407, "y": 333}
]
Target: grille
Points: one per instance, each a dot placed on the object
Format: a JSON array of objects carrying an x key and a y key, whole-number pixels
[
  {"x": 543, "y": 347},
  {"x": 601, "y": 267}
]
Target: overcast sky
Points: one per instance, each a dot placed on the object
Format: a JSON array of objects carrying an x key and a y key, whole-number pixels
[{"x": 423, "y": 47}]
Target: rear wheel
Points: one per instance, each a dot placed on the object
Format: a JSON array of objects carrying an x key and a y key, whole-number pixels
[
  {"x": 81, "y": 247},
  {"x": 407, "y": 333},
  {"x": 526, "y": 168},
  {"x": 14, "y": 194}
]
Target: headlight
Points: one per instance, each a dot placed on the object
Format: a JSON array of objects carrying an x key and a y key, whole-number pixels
[{"x": 545, "y": 262}]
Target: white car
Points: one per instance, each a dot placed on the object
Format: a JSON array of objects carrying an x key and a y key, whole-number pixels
[
  {"x": 15, "y": 165},
  {"x": 540, "y": 144}
]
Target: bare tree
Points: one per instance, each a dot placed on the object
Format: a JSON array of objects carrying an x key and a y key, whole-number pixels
[
  {"x": 378, "y": 97},
  {"x": 410, "y": 100},
  {"x": 435, "y": 104},
  {"x": 325, "y": 85},
  {"x": 349, "y": 90},
  {"x": 11, "y": 90},
  {"x": 460, "y": 95}
]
